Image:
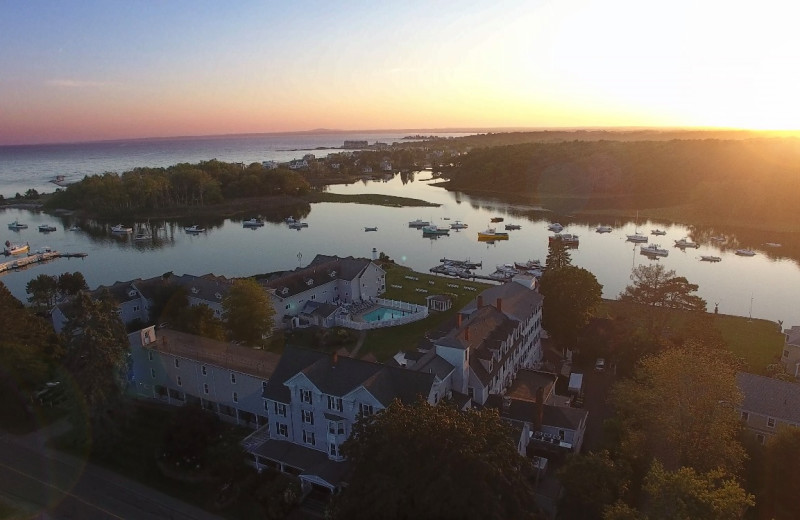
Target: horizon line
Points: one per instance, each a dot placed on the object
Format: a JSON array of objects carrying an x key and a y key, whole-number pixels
[{"x": 465, "y": 129}]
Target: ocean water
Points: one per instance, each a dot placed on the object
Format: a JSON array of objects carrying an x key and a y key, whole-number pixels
[{"x": 34, "y": 166}]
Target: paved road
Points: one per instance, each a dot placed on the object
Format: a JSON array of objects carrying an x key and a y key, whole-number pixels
[
  {"x": 52, "y": 485},
  {"x": 596, "y": 389}
]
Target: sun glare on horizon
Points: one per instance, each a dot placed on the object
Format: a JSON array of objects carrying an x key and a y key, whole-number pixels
[{"x": 518, "y": 64}]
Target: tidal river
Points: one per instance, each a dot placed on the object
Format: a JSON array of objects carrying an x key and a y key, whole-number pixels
[{"x": 763, "y": 286}]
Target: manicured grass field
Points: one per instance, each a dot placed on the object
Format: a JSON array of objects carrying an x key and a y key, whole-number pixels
[
  {"x": 384, "y": 343},
  {"x": 757, "y": 342}
]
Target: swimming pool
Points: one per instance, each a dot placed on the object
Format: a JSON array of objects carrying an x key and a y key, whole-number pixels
[{"x": 383, "y": 313}]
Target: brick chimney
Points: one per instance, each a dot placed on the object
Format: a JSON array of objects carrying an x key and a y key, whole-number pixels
[
  {"x": 466, "y": 333},
  {"x": 334, "y": 359},
  {"x": 537, "y": 419},
  {"x": 480, "y": 301},
  {"x": 500, "y": 304},
  {"x": 460, "y": 319}
]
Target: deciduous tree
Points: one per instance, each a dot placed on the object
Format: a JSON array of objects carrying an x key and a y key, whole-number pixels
[
  {"x": 685, "y": 494},
  {"x": 680, "y": 408},
  {"x": 570, "y": 295},
  {"x": 653, "y": 285},
  {"x": 423, "y": 461},
  {"x": 43, "y": 291},
  {"x": 781, "y": 475},
  {"x": 248, "y": 312}
]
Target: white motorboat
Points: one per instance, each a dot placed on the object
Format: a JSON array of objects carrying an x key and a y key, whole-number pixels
[
  {"x": 745, "y": 252},
  {"x": 253, "y": 223},
  {"x": 654, "y": 250},
  {"x": 435, "y": 230},
  {"x": 17, "y": 225},
  {"x": 638, "y": 238},
  {"x": 658, "y": 232},
  {"x": 684, "y": 243},
  {"x": 555, "y": 226},
  {"x": 75, "y": 228},
  {"x": 511, "y": 227},
  {"x": 194, "y": 229},
  {"x": 603, "y": 229},
  {"x": 418, "y": 223},
  {"x": 16, "y": 249},
  {"x": 458, "y": 225},
  {"x": 143, "y": 235},
  {"x": 46, "y": 228},
  {"x": 298, "y": 225},
  {"x": 709, "y": 258},
  {"x": 119, "y": 228}
]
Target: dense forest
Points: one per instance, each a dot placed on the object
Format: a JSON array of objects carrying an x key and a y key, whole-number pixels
[
  {"x": 181, "y": 185},
  {"x": 722, "y": 180}
]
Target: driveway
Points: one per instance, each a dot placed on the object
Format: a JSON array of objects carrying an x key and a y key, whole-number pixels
[{"x": 596, "y": 389}]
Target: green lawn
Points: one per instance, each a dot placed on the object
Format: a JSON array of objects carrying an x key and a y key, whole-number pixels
[
  {"x": 757, "y": 342},
  {"x": 384, "y": 343}
]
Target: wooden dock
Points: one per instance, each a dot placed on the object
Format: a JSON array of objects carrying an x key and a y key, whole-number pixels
[{"x": 36, "y": 258}]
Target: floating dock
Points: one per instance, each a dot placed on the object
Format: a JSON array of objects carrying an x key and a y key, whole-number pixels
[{"x": 35, "y": 258}]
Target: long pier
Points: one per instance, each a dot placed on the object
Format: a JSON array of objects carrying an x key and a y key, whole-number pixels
[{"x": 35, "y": 258}]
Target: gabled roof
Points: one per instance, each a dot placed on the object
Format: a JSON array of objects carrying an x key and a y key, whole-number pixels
[
  {"x": 770, "y": 397},
  {"x": 121, "y": 291},
  {"x": 320, "y": 271},
  {"x": 341, "y": 375},
  {"x": 793, "y": 336},
  {"x": 525, "y": 411},
  {"x": 518, "y": 302},
  {"x": 320, "y": 309},
  {"x": 482, "y": 325},
  {"x": 208, "y": 287}
]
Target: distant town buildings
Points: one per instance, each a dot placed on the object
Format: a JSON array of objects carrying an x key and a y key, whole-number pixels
[{"x": 352, "y": 145}]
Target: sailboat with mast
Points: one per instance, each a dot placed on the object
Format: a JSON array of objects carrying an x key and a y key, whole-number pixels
[{"x": 637, "y": 236}]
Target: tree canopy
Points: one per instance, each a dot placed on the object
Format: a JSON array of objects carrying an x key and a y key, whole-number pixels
[
  {"x": 557, "y": 254},
  {"x": 680, "y": 408},
  {"x": 45, "y": 290},
  {"x": 653, "y": 285},
  {"x": 424, "y": 461},
  {"x": 248, "y": 312},
  {"x": 570, "y": 296},
  {"x": 780, "y": 467},
  {"x": 96, "y": 353},
  {"x": 29, "y": 355},
  {"x": 685, "y": 494},
  {"x": 181, "y": 185}
]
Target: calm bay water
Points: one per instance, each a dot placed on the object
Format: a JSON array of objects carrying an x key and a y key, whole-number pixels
[
  {"x": 765, "y": 283},
  {"x": 33, "y": 166}
]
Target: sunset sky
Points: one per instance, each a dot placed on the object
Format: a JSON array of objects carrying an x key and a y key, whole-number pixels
[{"x": 108, "y": 69}]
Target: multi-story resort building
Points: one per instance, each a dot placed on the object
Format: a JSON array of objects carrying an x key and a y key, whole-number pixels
[
  {"x": 178, "y": 368},
  {"x": 304, "y": 403},
  {"x": 313, "y": 294},
  {"x": 136, "y": 298}
]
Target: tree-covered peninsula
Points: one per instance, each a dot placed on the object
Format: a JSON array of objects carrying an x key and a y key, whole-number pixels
[{"x": 746, "y": 182}]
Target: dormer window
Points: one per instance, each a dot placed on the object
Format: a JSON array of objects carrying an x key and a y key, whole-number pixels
[
  {"x": 195, "y": 290},
  {"x": 333, "y": 274},
  {"x": 310, "y": 282},
  {"x": 132, "y": 293}
]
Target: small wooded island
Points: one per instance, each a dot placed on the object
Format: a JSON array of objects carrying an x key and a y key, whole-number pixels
[{"x": 732, "y": 178}]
